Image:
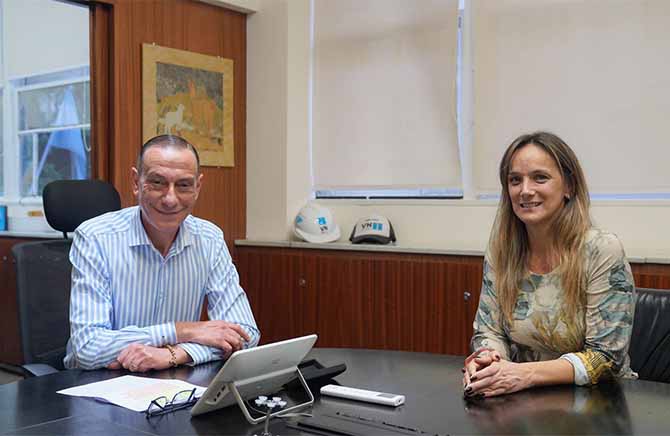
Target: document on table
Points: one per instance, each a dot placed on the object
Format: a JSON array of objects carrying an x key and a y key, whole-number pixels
[{"x": 131, "y": 392}]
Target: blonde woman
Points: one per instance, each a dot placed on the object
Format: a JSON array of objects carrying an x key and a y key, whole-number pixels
[{"x": 557, "y": 298}]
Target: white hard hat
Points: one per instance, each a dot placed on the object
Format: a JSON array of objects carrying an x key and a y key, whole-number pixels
[{"x": 314, "y": 223}]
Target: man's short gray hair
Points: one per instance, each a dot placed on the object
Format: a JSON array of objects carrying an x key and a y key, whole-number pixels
[{"x": 167, "y": 141}]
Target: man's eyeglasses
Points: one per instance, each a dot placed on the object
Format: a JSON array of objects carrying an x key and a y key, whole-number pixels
[{"x": 161, "y": 405}]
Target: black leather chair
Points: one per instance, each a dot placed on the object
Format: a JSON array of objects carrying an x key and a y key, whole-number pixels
[
  {"x": 43, "y": 271},
  {"x": 650, "y": 342}
]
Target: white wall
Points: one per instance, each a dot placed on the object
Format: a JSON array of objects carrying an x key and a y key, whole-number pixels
[
  {"x": 267, "y": 113},
  {"x": 465, "y": 225},
  {"x": 278, "y": 159},
  {"x": 278, "y": 166},
  {"x": 32, "y": 24},
  {"x": 298, "y": 164},
  {"x": 245, "y": 6}
]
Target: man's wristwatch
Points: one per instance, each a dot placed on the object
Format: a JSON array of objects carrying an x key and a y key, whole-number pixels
[{"x": 173, "y": 355}]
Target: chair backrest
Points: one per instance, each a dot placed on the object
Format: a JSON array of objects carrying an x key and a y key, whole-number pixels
[
  {"x": 43, "y": 268},
  {"x": 650, "y": 342},
  {"x": 68, "y": 203}
]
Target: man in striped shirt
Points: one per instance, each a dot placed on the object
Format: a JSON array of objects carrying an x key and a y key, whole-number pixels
[{"x": 140, "y": 275}]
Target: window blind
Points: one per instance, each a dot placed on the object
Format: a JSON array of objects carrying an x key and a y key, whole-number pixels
[
  {"x": 595, "y": 72},
  {"x": 384, "y": 95}
]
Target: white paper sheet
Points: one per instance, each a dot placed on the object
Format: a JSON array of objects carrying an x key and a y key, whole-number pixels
[{"x": 131, "y": 392}]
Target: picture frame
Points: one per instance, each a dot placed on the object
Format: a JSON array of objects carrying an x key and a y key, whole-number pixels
[{"x": 190, "y": 95}]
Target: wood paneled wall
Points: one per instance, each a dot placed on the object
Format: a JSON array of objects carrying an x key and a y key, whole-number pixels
[{"x": 119, "y": 30}]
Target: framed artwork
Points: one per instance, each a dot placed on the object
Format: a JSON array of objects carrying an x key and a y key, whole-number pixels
[{"x": 190, "y": 95}]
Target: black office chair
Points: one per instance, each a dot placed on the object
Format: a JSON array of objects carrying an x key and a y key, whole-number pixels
[
  {"x": 43, "y": 271},
  {"x": 650, "y": 342}
]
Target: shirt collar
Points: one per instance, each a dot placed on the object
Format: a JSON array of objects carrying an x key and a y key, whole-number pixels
[
  {"x": 184, "y": 237},
  {"x": 138, "y": 235}
]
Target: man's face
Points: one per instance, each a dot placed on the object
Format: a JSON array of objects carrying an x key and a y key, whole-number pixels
[{"x": 166, "y": 190}]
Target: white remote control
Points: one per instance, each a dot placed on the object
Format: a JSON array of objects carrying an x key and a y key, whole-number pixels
[{"x": 363, "y": 395}]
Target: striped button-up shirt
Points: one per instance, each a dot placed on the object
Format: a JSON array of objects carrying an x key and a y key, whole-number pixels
[{"x": 124, "y": 291}]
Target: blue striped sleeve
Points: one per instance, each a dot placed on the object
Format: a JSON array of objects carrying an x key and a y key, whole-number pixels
[
  {"x": 227, "y": 301},
  {"x": 93, "y": 342}
]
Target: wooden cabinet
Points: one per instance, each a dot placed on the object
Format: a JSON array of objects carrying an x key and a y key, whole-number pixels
[
  {"x": 283, "y": 304},
  {"x": 397, "y": 302},
  {"x": 10, "y": 339},
  {"x": 362, "y": 299},
  {"x": 373, "y": 300},
  {"x": 650, "y": 275}
]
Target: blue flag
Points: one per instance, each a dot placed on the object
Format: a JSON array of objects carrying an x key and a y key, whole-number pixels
[{"x": 69, "y": 139}]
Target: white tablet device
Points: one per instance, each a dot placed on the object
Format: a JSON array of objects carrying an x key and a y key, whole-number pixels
[{"x": 269, "y": 370}]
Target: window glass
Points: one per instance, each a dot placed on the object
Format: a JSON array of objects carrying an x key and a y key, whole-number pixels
[
  {"x": 54, "y": 106},
  {"x": 26, "y": 162},
  {"x": 53, "y": 155},
  {"x": 54, "y": 133}
]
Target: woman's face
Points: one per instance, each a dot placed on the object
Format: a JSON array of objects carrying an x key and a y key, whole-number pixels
[{"x": 536, "y": 187}]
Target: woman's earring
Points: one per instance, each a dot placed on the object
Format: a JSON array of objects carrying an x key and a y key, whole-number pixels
[{"x": 567, "y": 198}]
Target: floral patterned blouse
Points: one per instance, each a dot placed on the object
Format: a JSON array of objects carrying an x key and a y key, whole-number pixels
[{"x": 595, "y": 341}]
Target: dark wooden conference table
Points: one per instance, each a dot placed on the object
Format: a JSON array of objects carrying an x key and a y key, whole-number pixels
[{"x": 430, "y": 382}]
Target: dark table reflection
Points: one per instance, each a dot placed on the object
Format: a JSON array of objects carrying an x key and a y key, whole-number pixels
[{"x": 554, "y": 410}]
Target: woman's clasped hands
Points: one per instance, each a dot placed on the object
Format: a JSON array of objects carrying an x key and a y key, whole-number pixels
[{"x": 486, "y": 374}]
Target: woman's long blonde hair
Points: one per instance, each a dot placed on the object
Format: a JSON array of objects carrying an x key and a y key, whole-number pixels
[{"x": 509, "y": 248}]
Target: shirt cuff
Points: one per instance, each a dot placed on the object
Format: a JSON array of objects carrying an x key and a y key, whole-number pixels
[
  {"x": 581, "y": 375},
  {"x": 199, "y": 353},
  {"x": 162, "y": 334},
  {"x": 254, "y": 338}
]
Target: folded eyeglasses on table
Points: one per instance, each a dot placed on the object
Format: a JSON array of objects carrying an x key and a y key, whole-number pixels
[{"x": 162, "y": 405}]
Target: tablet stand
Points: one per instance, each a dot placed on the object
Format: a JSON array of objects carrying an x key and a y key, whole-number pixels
[
  {"x": 270, "y": 405},
  {"x": 261, "y": 385},
  {"x": 266, "y": 429}
]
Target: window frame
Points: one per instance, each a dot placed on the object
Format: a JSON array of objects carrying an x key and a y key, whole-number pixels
[{"x": 12, "y": 134}]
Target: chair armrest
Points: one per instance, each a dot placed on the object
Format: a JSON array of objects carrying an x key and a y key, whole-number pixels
[{"x": 38, "y": 369}]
